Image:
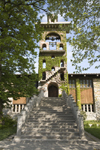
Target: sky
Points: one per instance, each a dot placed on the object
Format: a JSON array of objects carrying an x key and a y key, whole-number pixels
[{"x": 70, "y": 68}]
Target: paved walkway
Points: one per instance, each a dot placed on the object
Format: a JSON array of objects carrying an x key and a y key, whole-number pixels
[{"x": 7, "y": 144}]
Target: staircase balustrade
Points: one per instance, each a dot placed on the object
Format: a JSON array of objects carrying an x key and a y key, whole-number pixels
[
  {"x": 25, "y": 113},
  {"x": 76, "y": 112}
]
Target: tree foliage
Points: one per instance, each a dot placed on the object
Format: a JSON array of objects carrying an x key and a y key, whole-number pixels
[
  {"x": 85, "y": 29},
  {"x": 19, "y": 34}
]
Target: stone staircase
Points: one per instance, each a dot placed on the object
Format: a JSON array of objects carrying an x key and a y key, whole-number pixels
[{"x": 52, "y": 120}]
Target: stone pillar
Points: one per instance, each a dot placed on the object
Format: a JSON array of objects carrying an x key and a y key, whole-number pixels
[
  {"x": 22, "y": 107},
  {"x": 19, "y": 108},
  {"x": 83, "y": 107},
  {"x": 87, "y": 107},
  {"x": 96, "y": 85},
  {"x": 90, "y": 108},
  {"x": 15, "y": 108}
]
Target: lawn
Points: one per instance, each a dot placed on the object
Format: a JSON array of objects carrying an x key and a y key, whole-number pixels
[{"x": 93, "y": 127}]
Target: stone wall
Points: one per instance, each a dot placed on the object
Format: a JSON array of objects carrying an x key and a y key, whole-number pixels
[
  {"x": 91, "y": 116},
  {"x": 96, "y": 85}
]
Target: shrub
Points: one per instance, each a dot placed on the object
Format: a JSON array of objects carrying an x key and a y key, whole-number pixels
[
  {"x": 60, "y": 95},
  {"x": 7, "y": 121}
]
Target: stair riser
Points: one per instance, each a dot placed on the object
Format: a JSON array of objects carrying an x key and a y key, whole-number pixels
[
  {"x": 47, "y": 112},
  {"x": 51, "y": 134},
  {"x": 51, "y": 121},
  {"x": 61, "y": 131},
  {"x": 51, "y": 126},
  {"x": 49, "y": 137}
]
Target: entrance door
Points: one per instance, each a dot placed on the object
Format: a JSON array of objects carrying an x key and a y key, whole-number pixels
[{"x": 53, "y": 91}]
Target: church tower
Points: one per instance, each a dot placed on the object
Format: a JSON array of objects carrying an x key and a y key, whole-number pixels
[{"x": 53, "y": 57}]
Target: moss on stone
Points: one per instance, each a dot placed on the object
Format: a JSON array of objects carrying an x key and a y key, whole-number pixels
[{"x": 78, "y": 95}]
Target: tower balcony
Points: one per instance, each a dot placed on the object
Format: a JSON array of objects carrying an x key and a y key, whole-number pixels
[
  {"x": 54, "y": 52},
  {"x": 52, "y": 48}
]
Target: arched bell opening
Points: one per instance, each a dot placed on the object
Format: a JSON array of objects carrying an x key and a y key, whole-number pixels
[
  {"x": 62, "y": 63},
  {"x": 44, "y": 47},
  {"x": 53, "y": 38},
  {"x": 61, "y": 46},
  {"x": 52, "y": 90},
  {"x": 53, "y": 69},
  {"x": 44, "y": 63}
]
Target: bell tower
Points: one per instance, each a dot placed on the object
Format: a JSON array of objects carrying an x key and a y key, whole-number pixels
[{"x": 53, "y": 57}]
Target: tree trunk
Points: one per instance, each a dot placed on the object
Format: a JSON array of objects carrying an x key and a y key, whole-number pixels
[
  {"x": 1, "y": 108},
  {"x": 1, "y": 102}
]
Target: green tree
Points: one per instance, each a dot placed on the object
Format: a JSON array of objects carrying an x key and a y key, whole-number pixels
[
  {"x": 85, "y": 28},
  {"x": 19, "y": 34}
]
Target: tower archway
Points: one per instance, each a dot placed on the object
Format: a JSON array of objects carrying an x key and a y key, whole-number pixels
[{"x": 52, "y": 90}]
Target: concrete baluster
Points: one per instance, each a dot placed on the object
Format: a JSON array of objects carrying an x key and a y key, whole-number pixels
[
  {"x": 23, "y": 113},
  {"x": 19, "y": 124},
  {"x": 81, "y": 125}
]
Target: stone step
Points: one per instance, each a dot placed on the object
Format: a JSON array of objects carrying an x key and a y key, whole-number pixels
[
  {"x": 52, "y": 126},
  {"x": 52, "y": 98},
  {"x": 60, "y": 142},
  {"x": 50, "y": 121},
  {"x": 49, "y": 129},
  {"x": 46, "y": 103},
  {"x": 53, "y": 115},
  {"x": 51, "y": 108},
  {"x": 37, "y": 110},
  {"x": 43, "y": 133},
  {"x": 51, "y": 118},
  {"x": 49, "y": 137}
]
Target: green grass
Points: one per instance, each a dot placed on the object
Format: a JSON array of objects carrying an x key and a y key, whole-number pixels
[
  {"x": 5, "y": 132},
  {"x": 92, "y": 122},
  {"x": 94, "y": 129}
]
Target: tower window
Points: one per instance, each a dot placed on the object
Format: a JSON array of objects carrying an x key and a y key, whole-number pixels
[
  {"x": 44, "y": 64},
  {"x": 62, "y": 76},
  {"x": 61, "y": 47},
  {"x": 62, "y": 63},
  {"x": 44, "y": 46},
  {"x": 53, "y": 69},
  {"x": 52, "y": 56},
  {"x": 43, "y": 76}
]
